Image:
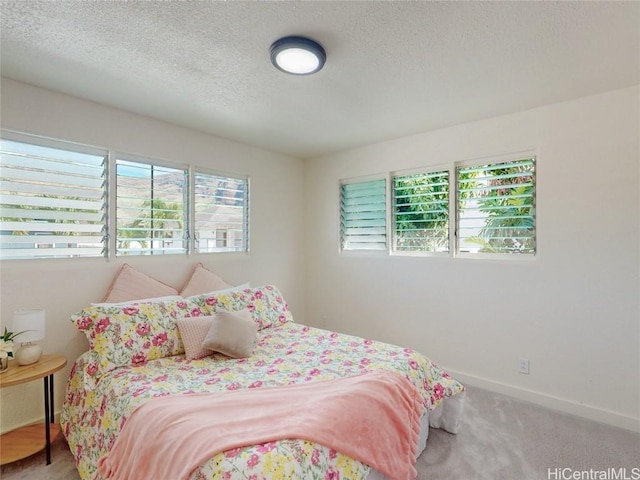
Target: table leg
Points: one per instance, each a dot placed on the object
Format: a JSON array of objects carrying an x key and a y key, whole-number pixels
[
  {"x": 47, "y": 415},
  {"x": 51, "y": 411}
]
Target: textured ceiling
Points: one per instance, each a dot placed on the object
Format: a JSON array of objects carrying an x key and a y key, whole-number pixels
[{"x": 393, "y": 68}]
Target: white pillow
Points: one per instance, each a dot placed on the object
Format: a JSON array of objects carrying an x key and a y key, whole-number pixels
[
  {"x": 168, "y": 298},
  {"x": 231, "y": 289}
]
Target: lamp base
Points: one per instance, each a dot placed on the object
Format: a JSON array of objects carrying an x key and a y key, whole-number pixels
[{"x": 28, "y": 354}]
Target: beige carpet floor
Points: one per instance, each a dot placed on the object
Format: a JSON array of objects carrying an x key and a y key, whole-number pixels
[{"x": 501, "y": 439}]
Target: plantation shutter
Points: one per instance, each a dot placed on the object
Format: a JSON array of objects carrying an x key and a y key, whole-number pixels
[
  {"x": 496, "y": 208},
  {"x": 151, "y": 209},
  {"x": 363, "y": 215},
  {"x": 221, "y": 213},
  {"x": 421, "y": 212},
  {"x": 52, "y": 200}
]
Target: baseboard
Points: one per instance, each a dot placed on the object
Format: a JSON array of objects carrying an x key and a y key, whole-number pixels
[
  {"x": 56, "y": 419},
  {"x": 549, "y": 401}
]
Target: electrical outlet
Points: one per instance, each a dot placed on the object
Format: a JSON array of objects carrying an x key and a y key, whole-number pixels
[{"x": 523, "y": 365}]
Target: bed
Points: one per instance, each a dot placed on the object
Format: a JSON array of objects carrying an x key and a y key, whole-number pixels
[{"x": 137, "y": 354}]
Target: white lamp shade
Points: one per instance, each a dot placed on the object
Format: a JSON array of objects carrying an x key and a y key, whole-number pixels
[{"x": 32, "y": 323}]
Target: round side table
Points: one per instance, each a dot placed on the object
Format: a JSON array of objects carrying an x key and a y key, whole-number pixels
[{"x": 26, "y": 441}]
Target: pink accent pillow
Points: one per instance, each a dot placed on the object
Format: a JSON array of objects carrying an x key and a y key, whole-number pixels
[
  {"x": 131, "y": 284},
  {"x": 193, "y": 331},
  {"x": 203, "y": 281}
]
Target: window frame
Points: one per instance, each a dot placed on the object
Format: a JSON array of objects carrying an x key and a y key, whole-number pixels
[
  {"x": 70, "y": 146},
  {"x": 192, "y": 210},
  {"x": 119, "y": 155},
  {"x": 109, "y": 190},
  {"x": 392, "y": 217},
  {"x": 453, "y": 211},
  {"x": 364, "y": 179},
  {"x": 490, "y": 160}
]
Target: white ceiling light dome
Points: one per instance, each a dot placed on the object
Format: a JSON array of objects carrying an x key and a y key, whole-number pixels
[{"x": 297, "y": 55}]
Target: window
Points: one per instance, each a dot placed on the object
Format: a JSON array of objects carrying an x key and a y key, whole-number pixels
[
  {"x": 493, "y": 204},
  {"x": 496, "y": 208},
  {"x": 52, "y": 199},
  {"x": 221, "y": 213},
  {"x": 151, "y": 209},
  {"x": 54, "y": 203},
  {"x": 421, "y": 212},
  {"x": 363, "y": 215}
]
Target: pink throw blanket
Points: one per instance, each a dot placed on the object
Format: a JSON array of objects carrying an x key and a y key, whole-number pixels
[{"x": 373, "y": 418}]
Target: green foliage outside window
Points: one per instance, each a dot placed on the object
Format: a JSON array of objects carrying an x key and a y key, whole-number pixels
[
  {"x": 421, "y": 212},
  {"x": 500, "y": 200},
  {"x": 495, "y": 209},
  {"x": 157, "y": 220}
]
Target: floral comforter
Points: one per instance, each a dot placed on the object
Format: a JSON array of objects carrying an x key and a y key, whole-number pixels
[{"x": 285, "y": 354}]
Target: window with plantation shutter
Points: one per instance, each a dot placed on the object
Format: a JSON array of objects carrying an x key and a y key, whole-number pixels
[
  {"x": 151, "y": 209},
  {"x": 52, "y": 199},
  {"x": 221, "y": 221},
  {"x": 363, "y": 215},
  {"x": 421, "y": 212},
  {"x": 496, "y": 208}
]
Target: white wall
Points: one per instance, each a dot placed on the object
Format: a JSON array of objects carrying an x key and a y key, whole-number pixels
[
  {"x": 63, "y": 287},
  {"x": 573, "y": 311}
]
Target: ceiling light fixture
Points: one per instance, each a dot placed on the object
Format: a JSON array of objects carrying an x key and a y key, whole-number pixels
[{"x": 297, "y": 55}]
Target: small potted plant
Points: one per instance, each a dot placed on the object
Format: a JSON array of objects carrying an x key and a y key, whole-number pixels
[{"x": 6, "y": 348}]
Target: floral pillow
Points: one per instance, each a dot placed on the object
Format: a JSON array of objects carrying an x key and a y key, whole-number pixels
[
  {"x": 131, "y": 334},
  {"x": 266, "y": 304}
]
